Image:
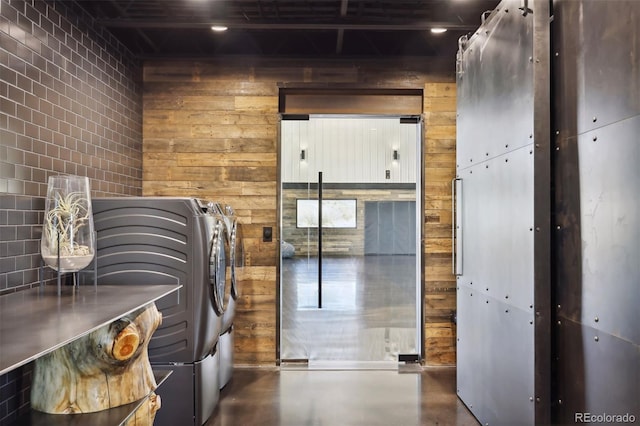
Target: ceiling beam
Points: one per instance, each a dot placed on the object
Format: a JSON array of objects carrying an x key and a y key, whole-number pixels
[
  {"x": 241, "y": 25},
  {"x": 340, "y": 40},
  {"x": 140, "y": 33}
]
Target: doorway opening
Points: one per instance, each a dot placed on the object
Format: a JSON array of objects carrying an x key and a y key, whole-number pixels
[{"x": 350, "y": 256}]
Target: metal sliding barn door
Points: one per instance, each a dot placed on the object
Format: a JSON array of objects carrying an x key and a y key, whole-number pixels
[{"x": 502, "y": 206}]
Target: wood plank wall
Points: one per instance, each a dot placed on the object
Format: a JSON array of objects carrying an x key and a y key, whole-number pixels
[
  {"x": 440, "y": 169},
  {"x": 210, "y": 130}
]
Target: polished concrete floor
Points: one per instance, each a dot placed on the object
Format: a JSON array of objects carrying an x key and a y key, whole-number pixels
[
  {"x": 368, "y": 309},
  {"x": 297, "y": 397}
]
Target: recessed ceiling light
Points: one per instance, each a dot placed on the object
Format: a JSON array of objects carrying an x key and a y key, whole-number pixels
[
  {"x": 438, "y": 30},
  {"x": 219, "y": 28}
]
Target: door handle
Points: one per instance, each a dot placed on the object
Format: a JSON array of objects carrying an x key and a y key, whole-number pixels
[{"x": 456, "y": 226}]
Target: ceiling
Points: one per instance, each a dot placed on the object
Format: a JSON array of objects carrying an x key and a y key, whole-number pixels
[{"x": 320, "y": 28}]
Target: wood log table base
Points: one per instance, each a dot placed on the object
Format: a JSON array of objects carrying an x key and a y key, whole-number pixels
[{"x": 107, "y": 368}]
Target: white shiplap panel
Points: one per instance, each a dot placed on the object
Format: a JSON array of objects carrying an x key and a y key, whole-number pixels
[
  {"x": 314, "y": 155},
  {"x": 349, "y": 150},
  {"x": 391, "y": 141},
  {"x": 376, "y": 167},
  {"x": 408, "y": 152},
  {"x": 333, "y": 151},
  {"x": 303, "y": 165},
  {"x": 287, "y": 143}
]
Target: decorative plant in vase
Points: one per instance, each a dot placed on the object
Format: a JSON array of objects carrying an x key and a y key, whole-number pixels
[{"x": 68, "y": 241}]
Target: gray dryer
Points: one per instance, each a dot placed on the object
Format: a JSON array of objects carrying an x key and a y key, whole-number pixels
[{"x": 160, "y": 240}]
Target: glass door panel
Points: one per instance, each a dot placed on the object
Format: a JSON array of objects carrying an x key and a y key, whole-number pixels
[{"x": 350, "y": 239}]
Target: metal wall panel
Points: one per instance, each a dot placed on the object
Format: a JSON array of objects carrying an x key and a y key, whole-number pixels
[
  {"x": 597, "y": 208},
  {"x": 499, "y": 360},
  {"x": 498, "y": 228},
  {"x": 609, "y": 160},
  {"x": 495, "y": 82},
  {"x": 596, "y": 47},
  {"x": 503, "y": 165},
  {"x": 599, "y": 374},
  {"x": 390, "y": 227}
]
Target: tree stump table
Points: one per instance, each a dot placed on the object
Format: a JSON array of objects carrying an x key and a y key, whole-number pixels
[{"x": 107, "y": 368}]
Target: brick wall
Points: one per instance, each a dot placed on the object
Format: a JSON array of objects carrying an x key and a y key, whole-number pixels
[{"x": 70, "y": 103}]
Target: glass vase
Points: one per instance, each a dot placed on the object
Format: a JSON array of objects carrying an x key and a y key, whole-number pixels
[{"x": 68, "y": 238}]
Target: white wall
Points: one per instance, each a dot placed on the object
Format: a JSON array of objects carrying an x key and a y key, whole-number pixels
[{"x": 349, "y": 150}]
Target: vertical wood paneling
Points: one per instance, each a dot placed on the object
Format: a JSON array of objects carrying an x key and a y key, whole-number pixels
[
  {"x": 210, "y": 131},
  {"x": 348, "y": 150}
]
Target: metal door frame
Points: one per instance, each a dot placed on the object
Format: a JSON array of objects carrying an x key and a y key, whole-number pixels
[{"x": 420, "y": 240}]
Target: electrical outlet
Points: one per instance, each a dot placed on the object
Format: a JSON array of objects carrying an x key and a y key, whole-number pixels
[
  {"x": 267, "y": 234},
  {"x": 387, "y": 174}
]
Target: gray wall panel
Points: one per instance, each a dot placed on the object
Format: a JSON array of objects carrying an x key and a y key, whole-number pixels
[
  {"x": 603, "y": 377},
  {"x": 385, "y": 232},
  {"x": 472, "y": 351},
  {"x": 597, "y": 207},
  {"x": 610, "y": 219},
  {"x": 503, "y": 364},
  {"x": 598, "y": 222},
  {"x": 497, "y": 224},
  {"x": 390, "y": 227},
  {"x": 597, "y": 51}
]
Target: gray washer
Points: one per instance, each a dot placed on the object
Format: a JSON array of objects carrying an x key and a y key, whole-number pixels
[{"x": 160, "y": 240}]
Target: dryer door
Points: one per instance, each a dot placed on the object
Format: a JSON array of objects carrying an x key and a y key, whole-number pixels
[
  {"x": 237, "y": 257},
  {"x": 217, "y": 266}
]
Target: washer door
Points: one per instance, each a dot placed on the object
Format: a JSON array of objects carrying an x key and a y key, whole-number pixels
[
  {"x": 237, "y": 257},
  {"x": 218, "y": 267}
]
